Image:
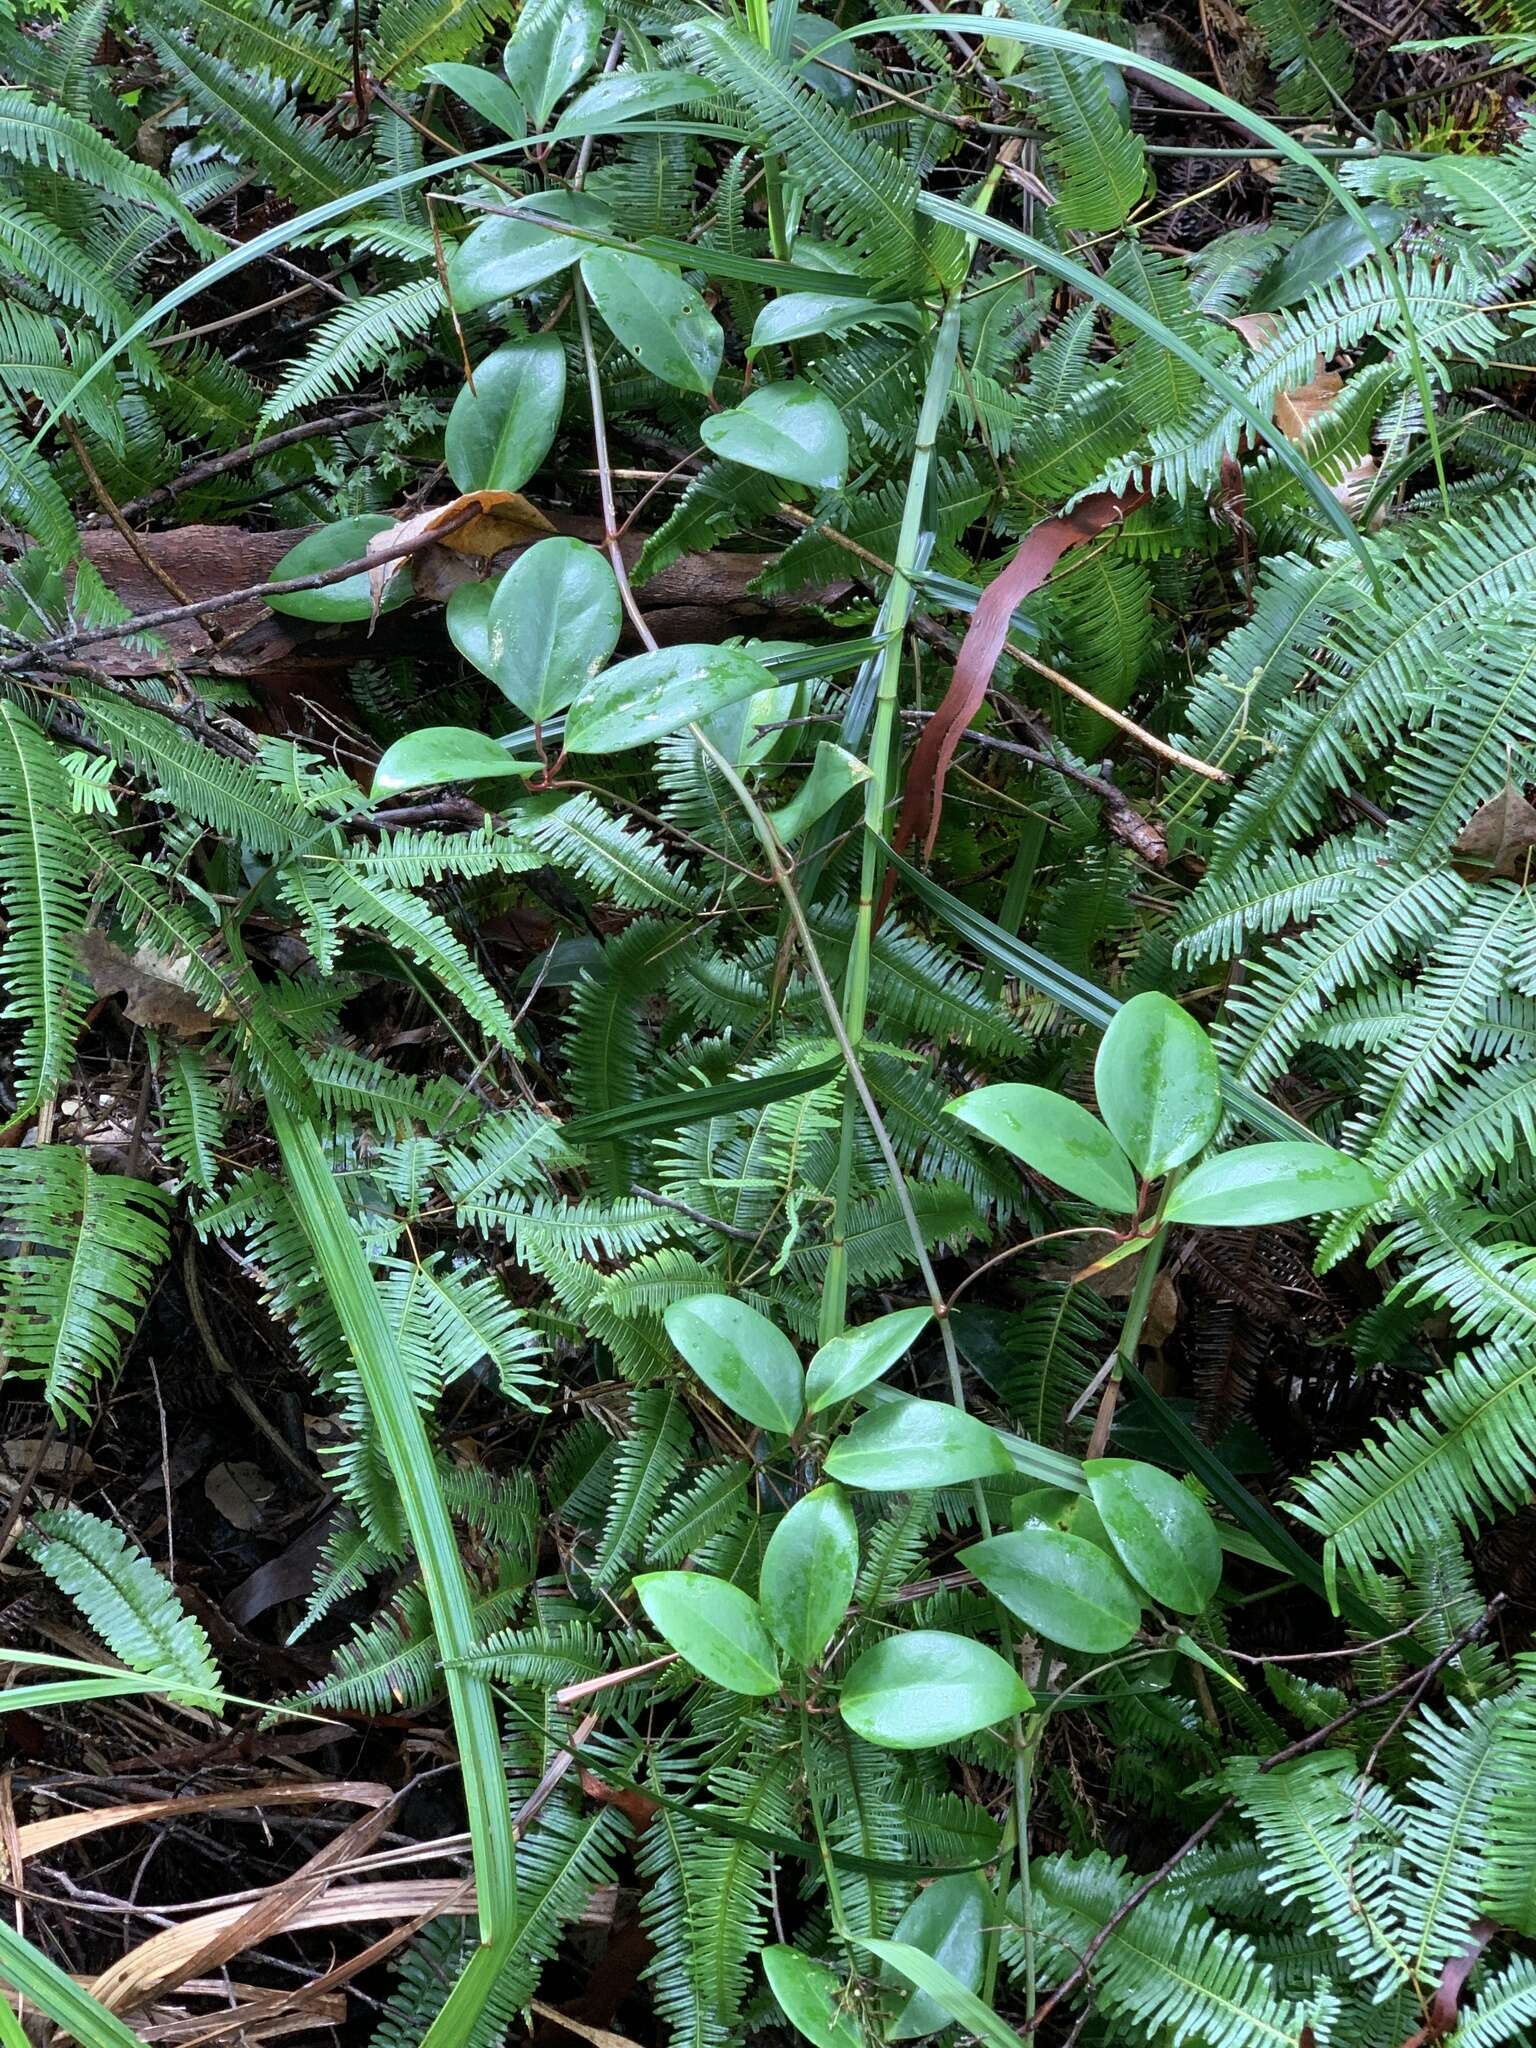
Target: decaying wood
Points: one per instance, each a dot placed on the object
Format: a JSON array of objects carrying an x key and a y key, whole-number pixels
[{"x": 702, "y": 597}]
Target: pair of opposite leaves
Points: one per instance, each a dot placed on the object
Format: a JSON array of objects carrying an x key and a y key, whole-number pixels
[{"x": 1159, "y": 1092}]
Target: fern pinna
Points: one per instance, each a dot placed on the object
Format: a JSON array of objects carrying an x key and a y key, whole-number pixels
[{"x": 897, "y": 1519}]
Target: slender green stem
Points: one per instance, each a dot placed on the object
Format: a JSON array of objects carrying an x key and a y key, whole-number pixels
[
  {"x": 813, "y": 1801},
  {"x": 895, "y": 614},
  {"x": 403, "y": 1439},
  {"x": 1130, "y": 1336}
]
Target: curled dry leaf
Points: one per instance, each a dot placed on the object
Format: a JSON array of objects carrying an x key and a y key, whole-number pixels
[
  {"x": 479, "y": 523},
  {"x": 1498, "y": 839},
  {"x": 155, "y": 984}
]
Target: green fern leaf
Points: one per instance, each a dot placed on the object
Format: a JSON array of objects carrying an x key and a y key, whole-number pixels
[{"x": 126, "y": 1601}]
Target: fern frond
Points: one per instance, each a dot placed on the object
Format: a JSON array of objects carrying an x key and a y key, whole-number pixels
[
  {"x": 416, "y": 930},
  {"x": 1100, "y": 165},
  {"x": 648, "y": 1460},
  {"x": 192, "y": 1116},
  {"x": 44, "y": 871},
  {"x": 123, "y": 1597},
  {"x": 867, "y": 196},
  {"x": 303, "y": 163},
  {"x": 306, "y": 52},
  {"x": 356, "y": 339},
  {"x": 1169, "y": 1967},
  {"x": 86, "y": 1248},
  {"x": 410, "y": 34}
]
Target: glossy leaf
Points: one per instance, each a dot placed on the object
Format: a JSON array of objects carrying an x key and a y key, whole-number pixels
[
  {"x": 1158, "y": 1084},
  {"x": 640, "y": 700},
  {"x": 855, "y": 1359},
  {"x": 1061, "y": 1586},
  {"x": 1162, "y": 1535},
  {"x": 553, "y": 621},
  {"x": 811, "y": 1997},
  {"x": 834, "y": 772},
  {"x": 658, "y": 316},
  {"x": 445, "y": 753},
  {"x": 1271, "y": 1184},
  {"x": 925, "y": 1687},
  {"x": 509, "y": 253},
  {"x": 808, "y": 1572},
  {"x": 344, "y": 540},
  {"x": 741, "y": 1357},
  {"x": 499, "y": 432},
  {"x": 467, "y": 616},
  {"x": 491, "y": 97},
  {"x": 908, "y": 1446},
  {"x": 790, "y": 430},
  {"x": 1057, "y": 1137},
  {"x": 625, "y": 96},
  {"x": 948, "y": 1920},
  {"x": 713, "y": 1626},
  {"x": 551, "y": 51},
  {"x": 798, "y": 316}
]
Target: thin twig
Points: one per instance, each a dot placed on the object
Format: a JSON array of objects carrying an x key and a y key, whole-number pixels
[
  {"x": 1417, "y": 1683},
  {"x": 114, "y": 512},
  {"x": 236, "y": 458},
  {"x": 225, "y": 600}
]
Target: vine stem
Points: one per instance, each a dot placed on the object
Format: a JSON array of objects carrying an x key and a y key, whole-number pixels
[
  {"x": 895, "y": 616},
  {"x": 1023, "y": 1748},
  {"x": 784, "y": 881},
  {"x": 1130, "y": 1337}
]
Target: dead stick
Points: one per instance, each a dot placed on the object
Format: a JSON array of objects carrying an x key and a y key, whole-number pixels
[
  {"x": 1417, "y": 1682},
  {"x": 236, "y": 458},
  {"x": 147, "y": 622}
]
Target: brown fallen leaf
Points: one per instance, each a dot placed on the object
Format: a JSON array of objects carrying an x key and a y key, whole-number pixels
[
  {"x": 480, "y": 523},
  {"x": 155, "y": 984},
  {"x": 1298, "y": 410},
  {"x": 239, "y": 1491},
  {"x": 1498, "y": 838}
]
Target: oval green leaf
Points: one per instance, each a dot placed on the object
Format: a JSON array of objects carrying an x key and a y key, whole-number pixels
[
  {"x": 553, "y": 621},
  {"x": 1161, "y": 1533},
  {"x": 741, "y": 1357},
  {"x": 1057, "y": 1137},
  {"x": 974, "y": 2015},
  {"x": 509, "y": 253},
  {"x": 499, "y": 432},
  {"x": 344, "y": 540},
  {"x": 637, "y": 701},
  {"x": 1272, "y": 1184},
  {"x": 493, "y": 100},
  {"x": 834, "y": 772},
  {"x": 625, "y": 96},
  {"x": 658, "y": 316},
  {"x": 907, "y": 1446},
  {"x": 854, "y": 1360},
  {"x": 808, "y": 1572},
  {"x": 713, "y": 1626},
  {"x": 924, "y": 1688},
  {"x": 1061, "y": 1586},
  {"x": 467, "y": 615},
  {"x": 444, "y": 753},
  {"x": 811, "y": 1998},
  {"x": 790, "y": 430},
  {"x": 797, "y": 316},
  {"x": 551, "y": 50},
  {"x": 1157, "y": 1083},
  {"x": 948, "y": 1920}
]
